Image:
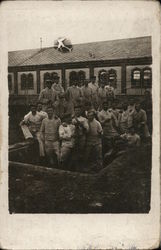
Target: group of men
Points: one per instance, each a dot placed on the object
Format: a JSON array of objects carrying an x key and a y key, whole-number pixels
[{"x": 83, "y": 123}]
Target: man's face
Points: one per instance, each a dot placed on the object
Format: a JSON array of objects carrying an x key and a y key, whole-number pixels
[
  {"x": 93, "y": 80},
  {"x": 105, "y": 106},
  {"x": 131, "y": 131},
  {"x": 50, "y": 112},
  {"x": 86, "y": 84},
  {"x": 102, "y": 84},
  {"x": 124, "y": 106},
  {"x": 74, "y": 83},
  {"x": 77, "y": 111},
  {"x": 137, "y": 107},
  {"x": 33, "y": 110},
  {"x": 57, "y": 80},
  {"x": 68, "y": 120},
  {"x": 49, "y": 84},
  {"x": 39, "y": 107},
  {"x": 90, "y": 116}
]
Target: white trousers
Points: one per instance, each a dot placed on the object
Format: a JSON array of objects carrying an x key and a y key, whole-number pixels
[{"x": 28, "y": 134}]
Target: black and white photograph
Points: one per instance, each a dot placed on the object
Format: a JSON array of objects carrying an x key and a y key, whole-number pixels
[{"x": 80, "y": 109}]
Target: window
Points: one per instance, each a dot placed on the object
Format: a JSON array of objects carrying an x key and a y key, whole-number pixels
[
  {"x": 9, "y": 82},
  {"x": 46, "y": 77},
  {"x": 27, "y": 81},
  {"x": 54, "y": 76},
  {"x": 147, "y": 77},
  {"x": 72, "y": 76},
  {"x": 30, "y": 81},
  {"x": 23, "y": 81},
  {"x": 112, "y": 77},
  {"x": 81, "y": 75},
  {"x": 103, "y": 76},
  {"x": 136, "y": 77}
]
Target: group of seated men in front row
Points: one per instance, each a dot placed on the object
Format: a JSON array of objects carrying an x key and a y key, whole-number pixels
[{"x": 84, "y": 129}]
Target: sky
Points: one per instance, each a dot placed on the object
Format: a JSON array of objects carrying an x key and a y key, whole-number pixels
[{"x": 80, "y": 21}]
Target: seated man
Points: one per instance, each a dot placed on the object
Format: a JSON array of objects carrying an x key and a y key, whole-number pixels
[
  {"x": 132, "y": 138},
  {"x": 66, "y": 135},
  {"x": 50, "y": 135},
  {"x": 94, "y": 143},
  {"x": 31, "y": 127}
]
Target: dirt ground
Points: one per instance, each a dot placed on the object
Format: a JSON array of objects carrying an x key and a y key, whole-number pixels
[{"x": 121, "y": 187}]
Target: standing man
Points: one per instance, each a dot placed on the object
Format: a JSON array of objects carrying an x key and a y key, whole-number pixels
[
  {"x": 110, "y": 93},
  {"x": 139, "y": 119},
  {"x": 109, "y": 125},
  {"x": 124, "y": 120},
  {"x": 102, "y": 94},
  {"x": 56, "y": 86},
  {"x": 87, "y": 92},
  {"x": 66, "y": 135},
  {"x": 81, "y": 129},
  {"x": 74, "y": 93},
  {"x": 62, "y": 106},
  {"x": 94, "y": 143},
  {"x": 50, "y": 135},
  {"x": 94, "y": 86},
  {"x": 47, "y": 95},
  {"x": 147, "y": 106}
]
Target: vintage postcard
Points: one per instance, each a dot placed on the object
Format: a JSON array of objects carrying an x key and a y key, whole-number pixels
[{"x": 80, "y": 125}]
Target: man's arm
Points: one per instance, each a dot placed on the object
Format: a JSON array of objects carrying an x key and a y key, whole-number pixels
[{"x": 42, "y": 129}]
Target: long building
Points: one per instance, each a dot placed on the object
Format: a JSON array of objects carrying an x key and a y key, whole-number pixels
[{"x": 126, "y": 62}]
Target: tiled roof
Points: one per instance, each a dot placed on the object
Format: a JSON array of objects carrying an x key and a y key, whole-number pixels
[{"x": 96, "y": 51}]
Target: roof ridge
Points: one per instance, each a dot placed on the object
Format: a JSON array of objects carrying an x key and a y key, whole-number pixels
[{"x": 131, "y": 38}]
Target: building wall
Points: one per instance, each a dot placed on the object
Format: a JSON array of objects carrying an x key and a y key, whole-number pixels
[
  {"x": 67, "y": 72},
  {"x": 42, "y": 72},
  {"x": 130, "y": 90},
  {"x": 29, "y": 91},
  {"x": 118, "y": 70}
]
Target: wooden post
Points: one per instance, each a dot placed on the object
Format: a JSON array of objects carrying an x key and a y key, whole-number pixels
[
  {"x": 91, "y": 71},
  {"x": 123, "y": 79},
  {"x": 38, "y": 80},
  {"x": 63, "y": 78},
  {"x": 15, "y": 83}
]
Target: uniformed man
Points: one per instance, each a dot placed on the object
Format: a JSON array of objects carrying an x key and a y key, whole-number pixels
[
  {"x": 50, "y": 135},
  {"x": 56, "y": 86},
  {"x": 94, "y": 86},
  {"x": 73, "y": 92},
  {"x": 47, "y": 95}
]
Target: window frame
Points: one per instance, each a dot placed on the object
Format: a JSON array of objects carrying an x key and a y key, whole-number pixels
[
  {"x": 150, "y": 79},
  {"x": 23, "y": 81},
  {"x": 114, "y": 72},
  {"x": 10, "y": 82},
  {"x": 99, "y": 75},
  {"x": 134, "y": 81},
  {"x": 71, "y": 78},
  {"x": 30, "y": 81}
]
